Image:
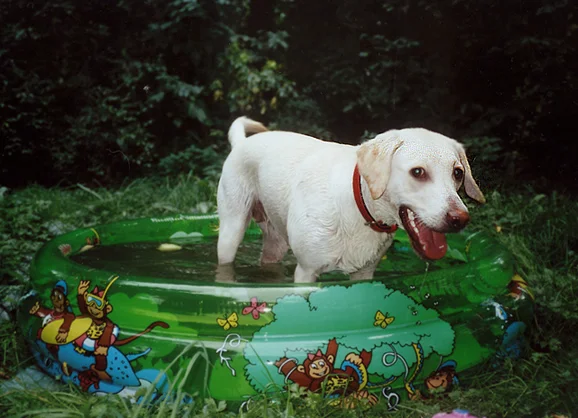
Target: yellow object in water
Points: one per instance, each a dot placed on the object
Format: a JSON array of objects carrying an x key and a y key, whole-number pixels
[{"x": 167, "y": 247}]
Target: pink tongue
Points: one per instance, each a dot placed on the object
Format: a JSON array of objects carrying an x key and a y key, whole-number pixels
[{"x": 432, "y": 243}]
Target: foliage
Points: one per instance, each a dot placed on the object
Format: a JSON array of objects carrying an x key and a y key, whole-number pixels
[
  {"x": 206, "y": 162},
  {"x": 376, "y": 66},
  {"x": 304, "y": 115},
  {"x": 98, "y": 91},
  {"x": 103, "y": 91},
  {"x": 548, "y": 259}
]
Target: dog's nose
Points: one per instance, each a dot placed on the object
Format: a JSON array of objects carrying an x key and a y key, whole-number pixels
[{"x": 457, "y": 219}]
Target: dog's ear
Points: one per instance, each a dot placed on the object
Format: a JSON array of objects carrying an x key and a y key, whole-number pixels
[
  {"x": 374, "y": 161},
  {"x": 472, "y": 189}
]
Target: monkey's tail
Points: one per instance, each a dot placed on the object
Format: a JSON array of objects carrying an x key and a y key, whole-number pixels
[
  {"x": 382, "y": 384},
  {"x": 140, "y": 334},
  {"x": 419, "y": 359}
]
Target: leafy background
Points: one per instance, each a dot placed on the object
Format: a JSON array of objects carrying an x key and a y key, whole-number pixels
[{"x": 101, "y": 91}]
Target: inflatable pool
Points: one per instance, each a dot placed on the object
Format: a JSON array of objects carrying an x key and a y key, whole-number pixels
[{"x": 114, "y": 307}]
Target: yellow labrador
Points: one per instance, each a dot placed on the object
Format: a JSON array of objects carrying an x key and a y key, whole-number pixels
[{"x": 337, "y": 206}]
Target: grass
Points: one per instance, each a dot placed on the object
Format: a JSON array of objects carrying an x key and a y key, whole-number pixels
[{"x": 541, "y": 230}]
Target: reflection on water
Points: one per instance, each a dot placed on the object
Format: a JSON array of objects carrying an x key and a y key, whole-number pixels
[{"x": 197, "y": 261}]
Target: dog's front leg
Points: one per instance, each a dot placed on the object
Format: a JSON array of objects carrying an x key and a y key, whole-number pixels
[
  {"x": 306, "y": 275},
  {"x": 225, "y": 273},
  {"x": 366, "y": 273}
]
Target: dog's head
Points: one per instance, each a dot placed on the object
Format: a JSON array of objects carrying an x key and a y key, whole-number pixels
[{"x": 420, "y": 172}]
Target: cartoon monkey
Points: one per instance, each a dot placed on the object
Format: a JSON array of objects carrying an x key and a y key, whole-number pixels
[
  {"x": 312, "y": 373},
  {"x": 61, "y": 310},
  {"x": 443, "y": 379},
  {"x": 102, "y": 332},
  {"x": 319, "y": 368}
]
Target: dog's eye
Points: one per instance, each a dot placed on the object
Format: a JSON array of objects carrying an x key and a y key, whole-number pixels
[
  {"x": 458, "y": 174},
  {"x": 418, "y": 173}
]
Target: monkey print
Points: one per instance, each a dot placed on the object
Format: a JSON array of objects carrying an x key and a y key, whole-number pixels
[
  {"x": 319, "y": 369},
  {"x": 443, "y": 379}
]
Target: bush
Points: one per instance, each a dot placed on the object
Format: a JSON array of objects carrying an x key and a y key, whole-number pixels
[{"x": 101, "y": 93}]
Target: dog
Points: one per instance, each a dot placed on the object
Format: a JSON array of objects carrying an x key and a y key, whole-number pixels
[{"x": 337, "y": 206}]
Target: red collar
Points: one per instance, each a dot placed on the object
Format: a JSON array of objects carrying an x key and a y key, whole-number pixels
[{"x": 377, "y": 226}]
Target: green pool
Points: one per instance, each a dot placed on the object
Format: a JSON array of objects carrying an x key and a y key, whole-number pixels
[{"x": 113, "y": 314}]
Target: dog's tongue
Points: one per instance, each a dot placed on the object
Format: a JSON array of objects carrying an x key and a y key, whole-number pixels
[
  {"x": 426, "y": 242},
  {"x": 432, "y": 243}
]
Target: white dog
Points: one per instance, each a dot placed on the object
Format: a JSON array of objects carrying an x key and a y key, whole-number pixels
[{"x": 337, "y": 206}]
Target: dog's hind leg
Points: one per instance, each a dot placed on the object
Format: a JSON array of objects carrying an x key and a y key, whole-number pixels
[
  {"x": 231, "y": 233},
  {"x": 274, "y": 244},
  {"x": 234, "y": 217}
]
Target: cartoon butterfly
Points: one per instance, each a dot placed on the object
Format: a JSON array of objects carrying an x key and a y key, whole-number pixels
[
  {"x": 383, "y": 320},
  {"x": 254, "y": 309},
  {"x": 231, "y": 321}
]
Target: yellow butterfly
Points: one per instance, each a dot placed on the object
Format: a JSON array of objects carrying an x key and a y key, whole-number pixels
[
  {"x": 231, "y": 321},
  {"x": 382, "y": 320}
]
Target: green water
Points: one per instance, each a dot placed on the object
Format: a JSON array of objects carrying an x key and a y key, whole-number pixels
[{"x": 198, "y": 261}]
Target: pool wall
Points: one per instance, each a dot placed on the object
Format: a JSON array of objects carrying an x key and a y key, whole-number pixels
[{"x": 406, "y": 336}]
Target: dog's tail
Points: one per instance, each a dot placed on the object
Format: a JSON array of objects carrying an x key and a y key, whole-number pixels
[{"x": 243, "y": 126}]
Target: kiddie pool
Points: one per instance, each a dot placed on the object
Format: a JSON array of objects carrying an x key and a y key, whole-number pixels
[{"x": 410, "y": 332}]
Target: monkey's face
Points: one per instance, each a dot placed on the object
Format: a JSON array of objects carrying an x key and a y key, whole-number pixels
[
  {"x": 96, "y": 306},
  {"x": 319, "y": 368},
  {"x": 95, "y": 312},
  {"x": 439, "y": 379}
]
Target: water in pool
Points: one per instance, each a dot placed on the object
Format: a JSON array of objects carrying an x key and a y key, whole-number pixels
[{"x": 197, "y": 261}]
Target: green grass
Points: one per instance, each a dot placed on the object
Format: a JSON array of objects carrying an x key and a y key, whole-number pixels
[{"x": 541, "y": 230}]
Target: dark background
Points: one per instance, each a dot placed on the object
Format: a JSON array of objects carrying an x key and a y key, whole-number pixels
[{"x": 102, "y": 91}]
